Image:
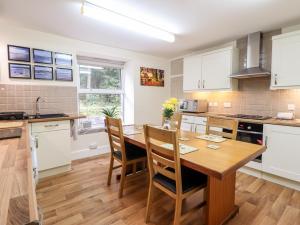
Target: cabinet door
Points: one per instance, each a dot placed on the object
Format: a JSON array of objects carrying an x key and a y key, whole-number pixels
[
  {"x": 192, "y": 73},
  {"x": 200, "y": 128},
  {"x": 282, "y": 155},
  {"x": 285, "y": 62},
  {"x": 187, "y": 127},
  {"x": 216, "y": 69},
  {"x": 53, "y": 149}
]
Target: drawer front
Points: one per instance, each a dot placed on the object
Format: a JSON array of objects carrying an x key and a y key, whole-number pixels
[
  {"x": 50, "y": 126},
  {"x": 200, "y": 120},
  {"x": 188, "y": 119}
]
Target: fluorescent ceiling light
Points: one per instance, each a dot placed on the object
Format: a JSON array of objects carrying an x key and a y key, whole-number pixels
[{"x": 100, "y": 12}]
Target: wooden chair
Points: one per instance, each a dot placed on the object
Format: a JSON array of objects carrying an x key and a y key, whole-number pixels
[
  {"x": 166, "y": 173},
  {"x": 175, "y": 120},
  {"x": 125, "y": 153},
  {"x": 230, "y": 125}
]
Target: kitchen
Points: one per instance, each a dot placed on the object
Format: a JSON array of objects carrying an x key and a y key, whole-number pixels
[{"x": 57, "y": 83}]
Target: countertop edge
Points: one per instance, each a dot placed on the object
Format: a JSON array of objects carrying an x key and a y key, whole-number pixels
[{"x": 69, "y": 117}]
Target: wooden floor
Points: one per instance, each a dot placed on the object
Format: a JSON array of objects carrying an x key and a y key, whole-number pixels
[{"x": 82, "y": 197}]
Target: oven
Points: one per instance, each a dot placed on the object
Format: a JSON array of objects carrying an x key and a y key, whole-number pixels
[{"x": 251, "y": 133}]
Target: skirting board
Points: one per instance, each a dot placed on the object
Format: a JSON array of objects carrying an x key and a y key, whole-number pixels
[
  {"x": 85, "y": 153},
  {"x": 272, "y": 178}
]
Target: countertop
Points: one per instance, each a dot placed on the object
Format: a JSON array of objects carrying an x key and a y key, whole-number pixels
[
  {"x": 69, "y": 117},
  {"x": 17, "y": 191},
  {"x": 273, "y": 121}
]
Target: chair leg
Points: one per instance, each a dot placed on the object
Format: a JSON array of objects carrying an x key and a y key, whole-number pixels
[
  {"x": 122, "y": 182},
  {"x": 149, "y": 202},
  {"x": 111, "y": 165},
  {"x": 178, "y": 208}
]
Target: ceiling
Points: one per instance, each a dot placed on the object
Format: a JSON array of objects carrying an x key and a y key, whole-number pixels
[{"x": 197, "y": 23}]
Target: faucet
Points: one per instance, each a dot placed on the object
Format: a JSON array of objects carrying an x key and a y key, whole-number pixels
[{"x": 37, "y": 106}]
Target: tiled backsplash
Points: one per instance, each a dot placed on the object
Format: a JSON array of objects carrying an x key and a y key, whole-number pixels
[
  {"x": 253, "y": 97},
  {"x": 55, "y": 99}
]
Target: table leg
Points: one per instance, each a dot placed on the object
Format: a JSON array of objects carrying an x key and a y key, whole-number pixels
[{"x": 220, "y": 197}]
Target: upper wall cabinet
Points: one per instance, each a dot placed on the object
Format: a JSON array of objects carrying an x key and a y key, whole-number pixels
[
  {"x": 210, "y": 71},
  {"x": 285, "y": 61}
]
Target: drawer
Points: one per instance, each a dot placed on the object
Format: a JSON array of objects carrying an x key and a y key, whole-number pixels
[
  {"x": 188, "y": 119},
  {"x": 200, "y": 120},
  {"x": 50, "y": 126}
]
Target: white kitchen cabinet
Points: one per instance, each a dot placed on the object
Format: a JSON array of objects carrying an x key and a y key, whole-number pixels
[
  {"x": 192, "y": 73},
  {"x": 201, "y": 129},
  {"x": 285, "y": 61},
  {"x": 187, "y": 126},
  {"x": 194, "y": 124},
  {"x": 53, "y": 144},
  {"x": 283, "y": 153},
  {"x": 211, "y": 70}
]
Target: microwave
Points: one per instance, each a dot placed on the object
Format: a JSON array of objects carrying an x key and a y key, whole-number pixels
[{"x": 192, "y": 105}]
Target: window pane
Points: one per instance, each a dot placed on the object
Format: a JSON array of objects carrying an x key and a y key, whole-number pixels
[
  {"x": 100, "y": 77},
  {"x": 91, "y": 105}
]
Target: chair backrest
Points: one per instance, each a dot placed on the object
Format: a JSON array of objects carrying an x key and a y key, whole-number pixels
[
  {"x": 160, "y": 158},
  {"x": 175, "y": 120},
  {"x": 228, "y": 124},
  {"x": 115, "y": 136}
]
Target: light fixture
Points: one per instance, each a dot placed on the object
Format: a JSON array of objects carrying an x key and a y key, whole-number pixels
[{"x": 101, "y": 12}]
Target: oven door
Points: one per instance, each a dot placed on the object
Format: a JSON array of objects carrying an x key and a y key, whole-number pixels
[{"x": 251, "y": 137}]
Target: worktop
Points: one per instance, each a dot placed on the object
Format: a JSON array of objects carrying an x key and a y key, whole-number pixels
[
  {"x": 273, "y": 121},
  {"x": 69, "y": 117},
  {"x": 17, "y": 190}
]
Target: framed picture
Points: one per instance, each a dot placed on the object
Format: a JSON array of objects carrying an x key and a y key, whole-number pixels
[
  {"x": 152, "y": 77},
  {"x": 42, "y": 56},
  {"x": 43, "y": 73},
  {"x": 64, "y": 74},
  {"x": 18, "y": 53},
  {"x": 19, "y": 70},
  {"x": 63, "y": 59}
]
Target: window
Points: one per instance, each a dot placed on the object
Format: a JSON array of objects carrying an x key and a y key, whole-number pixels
[{"x": 99, "y": 87}]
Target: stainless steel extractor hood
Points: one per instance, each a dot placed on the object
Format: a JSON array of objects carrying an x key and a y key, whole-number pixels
[{"x": 253, "y": 67}]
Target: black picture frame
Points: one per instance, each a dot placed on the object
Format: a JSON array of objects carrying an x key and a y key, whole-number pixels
[
  {"x": 38, "y": 58},
  {"x": 12, "y": 74},
  {"x": 60, "y": 61},
  {"x": 15, "y": 56},
  {"x": 59, "y": 76},
  {"x": 42, "y": 69}
]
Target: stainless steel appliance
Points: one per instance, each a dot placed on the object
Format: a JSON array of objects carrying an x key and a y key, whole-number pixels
[
  {"x": 193, "y": 105},
  {"x": 252, "y": 117}
]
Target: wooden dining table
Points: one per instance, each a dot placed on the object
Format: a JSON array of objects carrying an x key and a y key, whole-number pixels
[{"x": 219, "y": 165}]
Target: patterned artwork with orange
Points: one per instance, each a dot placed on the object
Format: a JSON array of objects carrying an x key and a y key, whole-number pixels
[{"x": 152, "y": 77}]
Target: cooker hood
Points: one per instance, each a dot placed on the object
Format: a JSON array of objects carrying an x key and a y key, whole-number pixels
[{"x": 253, "y": 67}]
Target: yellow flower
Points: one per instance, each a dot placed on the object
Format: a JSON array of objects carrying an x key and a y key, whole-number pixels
[{"x": 173, "y": 101}]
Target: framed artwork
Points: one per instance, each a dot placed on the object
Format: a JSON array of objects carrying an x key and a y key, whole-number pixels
[
  {"x": 19, "y": 71},
  {"x": 42, "y": 56},
  {"x": 18, "y": 53},
  {"x": 43, "y": 73},
  {"x": 63, "y": 59},
  {"x": 152, "y": 77},
  {"x": 64, "y": 74}
]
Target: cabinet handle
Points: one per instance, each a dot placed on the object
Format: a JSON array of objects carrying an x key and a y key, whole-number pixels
[
  {"x": 203, "y": 84},
  {"x": 198, "y": 83},
  {"x": 266, "y": 141},
  {"x": 36, "y": 140},
  {"x": 275, "y": 80},
  {"x": 52, "y": 125}
]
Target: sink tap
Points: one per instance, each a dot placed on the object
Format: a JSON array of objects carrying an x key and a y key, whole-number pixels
[{"x": 37, "y": 106}]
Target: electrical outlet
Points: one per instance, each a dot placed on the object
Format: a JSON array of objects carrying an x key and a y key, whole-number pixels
[
  {"x": 291, "y": 107},
  {"x": 227, "y": 104}
]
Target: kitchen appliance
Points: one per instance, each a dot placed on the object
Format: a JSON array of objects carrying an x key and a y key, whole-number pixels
[
  {"x": 285, "y": 115},
  {"x": 193, "y": 105},
  {"x": 252, "y": 117},
  {"x": 12, "y": 115},
  {"x": 254, "y": 56}
]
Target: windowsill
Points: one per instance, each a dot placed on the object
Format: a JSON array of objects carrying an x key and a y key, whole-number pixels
[{"x": 91, "y": 131}]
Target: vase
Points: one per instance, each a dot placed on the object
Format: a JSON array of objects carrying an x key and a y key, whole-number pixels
[{"x": 167, "y": 124}]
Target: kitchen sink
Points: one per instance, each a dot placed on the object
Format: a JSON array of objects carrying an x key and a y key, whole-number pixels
[{"x": 46, "y": 116}]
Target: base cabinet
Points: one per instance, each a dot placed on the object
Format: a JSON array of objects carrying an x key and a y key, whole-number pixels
[{"x": 283, "y": 153}]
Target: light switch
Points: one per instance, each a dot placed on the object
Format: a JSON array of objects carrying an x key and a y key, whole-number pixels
[
  {"x": 291, "y": 107},
  {"x": 227, "y": 104}
]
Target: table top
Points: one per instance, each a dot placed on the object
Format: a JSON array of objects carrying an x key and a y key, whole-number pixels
[{"x": 230, "y": 156}]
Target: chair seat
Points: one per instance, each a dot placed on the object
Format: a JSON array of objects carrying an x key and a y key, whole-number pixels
[
  {"x": 190, "y": 180},
  {"x": 132, "y": 152}
]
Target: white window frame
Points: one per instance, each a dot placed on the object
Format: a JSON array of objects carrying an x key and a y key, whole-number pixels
[{"x": 101, "y": 91}]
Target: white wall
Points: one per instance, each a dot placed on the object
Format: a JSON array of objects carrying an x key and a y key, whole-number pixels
[{"x": 142, "y": 104}]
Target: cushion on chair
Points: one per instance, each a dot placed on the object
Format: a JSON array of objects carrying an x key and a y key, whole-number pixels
[
  {"x": 190, "y": 180},
  {"x": 132, "y": 152}
]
